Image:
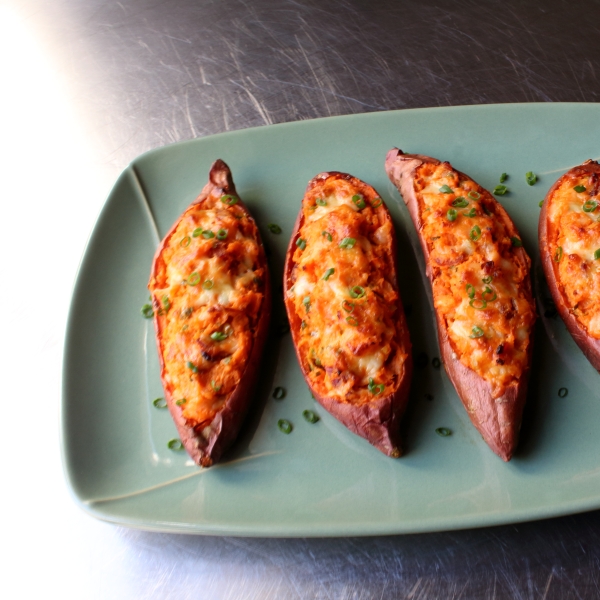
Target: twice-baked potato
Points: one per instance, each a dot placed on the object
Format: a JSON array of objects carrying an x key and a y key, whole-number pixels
[
  {"x": 569, "y": 238},
  {"x": 211, "y": 296},
  {"x": 344, "y": 308},
  {"x": 480, "y": 279}
]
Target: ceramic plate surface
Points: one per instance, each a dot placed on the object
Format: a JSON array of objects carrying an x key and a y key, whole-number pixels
[{"x": 321, "y": 480}]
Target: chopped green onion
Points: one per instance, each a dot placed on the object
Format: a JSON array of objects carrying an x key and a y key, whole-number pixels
[
  {"x": 285, "y": 426},
  {"x": 207, "y": 234},
  {"x": 375, "y": 388},
  {"x": 185, "y": 242},
  {"x": 348, "y": 306},
  {"x": 443, "y": 431},
  {"x": 530, "y": 177},
  {"x": 470, "y": 213},
  {"x": 181, "y": 401},
  {"x": 301, "y": 243},
  {"x": 579, "y": 188},
  {"x": 474, "y": 195},
  {"x": 215, "y": 386},
  {"x": 279, "y": 393},
  {"x": 451, "y": 214},
  {"x": 476, "y": 332},
  {"x": 229, "y": 200},
  {"x": 207, "y": 285},
  {"x": 377, "y": 202},
  {"x": 478, "y": 304},
  {"x": 306, "y": 303},
  {"x": 470, "y": 290},
  {"x": 500, "y": 190},
  {"x": 347, "y": 242},
  {"x": 460, "y": 202},
  {"x": 191, "y": 366},
  {"x": 274, "y": 228},
  {"x": 352, "y": 321},
  {"x": 197, "y": 232},
  {"x": 327, "y": 235},
  {"x": 310, "y": 416},
  {"x": 503, "y": 177},
  {"x": 303, "y": 325},
  {"x": 356, "y": 291},
  {"x": 147, "y": 311},
  {"x": 328, "y": 274},
  {"x": 194, "y": 278},
  {"x": 590, "y": 206},
  {"x": 487, "y": 279},
  {"x": 222, "y": 234},
  {"x": 436, "y": 363},
  {"x": 445, "y": 189},
  {"x": 516, "y": 242},
  {"x": 218, "y": 336},
  {"x": 359, "y": 201},
  {"x": 321, "y": 202},
  {"x": 597, "y": 254},
  {"x": 558, "y": 254},
  {"x": 166, "y": 302},
  {"x": 562, "y": 393},
  {"x": 475, "y": 233},
  {"x": 175, "y": 444},
  {"x": 160, "y": 403},
  {"x": 541, "y": 203},
  {"x": 487, "y": 292}
]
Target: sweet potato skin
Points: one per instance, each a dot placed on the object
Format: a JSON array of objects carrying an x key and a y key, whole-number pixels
[
  {"x": 206, "y": 447},
  {"x": 589, "y": 345},
  {"x": 377, "y": 421},
  {"x": 489, "y": 415}
]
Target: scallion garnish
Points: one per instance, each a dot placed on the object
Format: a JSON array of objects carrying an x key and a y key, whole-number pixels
[
  {"x": 597, "y": 254},
  {"x": 147, "y": 311},
  {"x": 175, "y": 444},
  {"x": 207, "y": 234},
  {"x": 541, "y": 203},
  {"x": 166, "y": 302},
  {"x": 488, "y": 291},
  {"x": 347, "y": 242},
  {"x": 194, "y": 278},
  {"x": 475, "y": 233},
  {"x": 516, "y": 242},
  {"x": 208, "y": 284},
  {"x": 197, "y": 232},
  {"x": 503, "y": 177},
  {"x": 301, "y": 243},
  {"x": 375, "y": 388},
  {"x": 446, "y": 189},
  {"x": 160, "y": 403},
  {"x": 359, "y": 201},
  {"x": 218, "y": 336},
  {"x": 476, "y": 332},
  {"x": 500, "y": 190},
  {"x": 470, "y": 213},
  {"x": 191, "y": 366},
  {"x": 451, "y": 214},
  {"x": 558, "y": 254},
  {"x": 321, "y": 202},
  {"x": 352, "y": 321},
  {"x": 478, "y": 304},
  {"x": 279, "y": 393},
  {"x": 377, "y": 202},
  {"x": 229, "y": 200},
  {"x": 285, "y": 426},
  {"x": 474, "y": 195},
  {"x": 530, "y": 178},
  {"x": 327, "y": 235},
  {"x": 222, "y": 234},
  {"x": 562, "y": 392},
  {"x": 579, "y": 188},
  {"x": 310, "y": 416},
  {"x": 216, "y": 387},
  {"x": 328, "y": 274},
  {"x": 306, "y": 303},
  {"x": 590, "y": 206},
  {"x": 443, "y": 431},
  {"x": 181, "y": 401},
  {"x": 274, "y": 228},
  {"x": 470, "y": 290},
  {"x": 460, "y": 202},
  {"x": 487, "y": 279},
  {"x": 185, "y": 242},
  {"x": 348, "y": 306},
  {"x": 356, "y": 291}
]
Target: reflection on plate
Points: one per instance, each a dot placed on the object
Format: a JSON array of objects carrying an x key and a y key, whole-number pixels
[{"x": 322, "y": 480}]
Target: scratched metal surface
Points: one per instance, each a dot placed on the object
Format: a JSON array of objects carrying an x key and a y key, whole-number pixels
[{"x": 139, "y": 74}]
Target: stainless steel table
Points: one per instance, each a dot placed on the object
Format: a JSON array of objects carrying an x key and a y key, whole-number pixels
[{"x": 90, "y": 84}]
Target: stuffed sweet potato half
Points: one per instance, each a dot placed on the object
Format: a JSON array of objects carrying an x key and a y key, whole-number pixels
[
  {"x": 569, "y": 238},
  {"x": 345, "y": 312},
  {"x": 211, "y": 295},
  {"x": 480, "y": 279}
]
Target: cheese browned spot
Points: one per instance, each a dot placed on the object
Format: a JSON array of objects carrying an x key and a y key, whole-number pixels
[
  {"x": 479, "y": 278},
  {"x": 344, "y": 293},
  {"x": 573, "y": 240},
  {"x": 208, "y": 294}
]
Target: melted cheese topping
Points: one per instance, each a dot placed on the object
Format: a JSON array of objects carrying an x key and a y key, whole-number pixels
[
  {"x": 207, "y": 292},
  {"x": 344, "y": 293},
  {"x": 479, "y": 277},
  {"x": 573, "y": 242}
]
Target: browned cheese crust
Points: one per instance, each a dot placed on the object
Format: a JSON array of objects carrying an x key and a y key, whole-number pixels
[
  {"x": 474, "y": 351},
  {"x": 211, "y": 296},
  {"x": 569, "y": 239},
  {"x": 344, "y": 307}
]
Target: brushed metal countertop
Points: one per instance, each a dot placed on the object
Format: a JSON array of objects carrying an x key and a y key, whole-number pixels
[{"x": 121, "y": 78}]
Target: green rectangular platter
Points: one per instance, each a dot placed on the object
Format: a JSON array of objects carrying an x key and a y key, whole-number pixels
[{"x": 321, "y": 480}]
